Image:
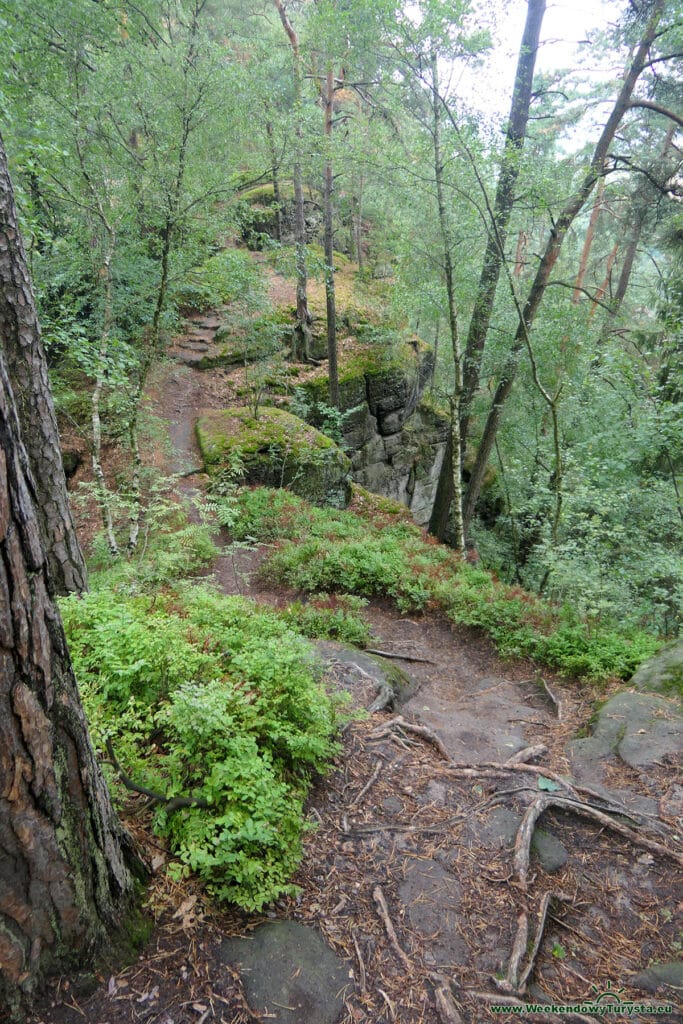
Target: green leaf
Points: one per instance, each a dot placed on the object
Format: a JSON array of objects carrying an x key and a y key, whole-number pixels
[{"x": 547, "y": 784}]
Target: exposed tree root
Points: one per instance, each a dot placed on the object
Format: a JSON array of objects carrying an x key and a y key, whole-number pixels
[
  {"x": 445, "y": 1003},
  {"x": 368, "y": 785},
  {"x": 542, "y": 803},
  {"x": 528, "y": 754},
  {"x": 516, "y": 981},
  {"x": 383, "y": 911},
  {"x": 398, "y": 657},
  {"x": 402, "y": 725}
]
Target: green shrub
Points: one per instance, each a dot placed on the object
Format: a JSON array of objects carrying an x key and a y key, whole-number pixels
[
  {"x": 368, "y": 556},
  {"x": 326, "y": 617},
  {"x": 212, "y": 698}
]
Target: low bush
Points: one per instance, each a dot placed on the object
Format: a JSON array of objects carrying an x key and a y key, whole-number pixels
[
  {"x": 374, "y": 555},
  {"x": 215, "y": 699}
]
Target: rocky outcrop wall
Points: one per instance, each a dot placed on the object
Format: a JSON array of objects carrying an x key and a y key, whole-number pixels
[{"x": 396, "y": 441}]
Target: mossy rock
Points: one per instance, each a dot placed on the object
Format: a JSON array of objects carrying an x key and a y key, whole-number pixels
[
  {"x": 385, "y": 385},
  {"x": 664, "y": 672},
  {"x": 264, "y": 195},
  {"x": 278, "y": 450}
]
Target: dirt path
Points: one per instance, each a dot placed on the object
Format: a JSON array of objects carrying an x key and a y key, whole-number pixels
[{"x": 398, "y": 822}]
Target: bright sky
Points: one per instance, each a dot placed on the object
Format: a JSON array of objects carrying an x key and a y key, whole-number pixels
[{"x": 566, "y": 27}]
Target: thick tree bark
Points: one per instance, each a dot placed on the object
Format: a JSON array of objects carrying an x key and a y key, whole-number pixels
[
  {"x": 552, "y": 250},
  {"x": 502, "y": 208},
  {"x": 328, "y": 187},
  {"x": 64, "y": 882},
  {"x": 22, "y": 344}
]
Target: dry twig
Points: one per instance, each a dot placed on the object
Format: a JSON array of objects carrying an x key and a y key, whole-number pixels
[{"x": 383, "y": 910}]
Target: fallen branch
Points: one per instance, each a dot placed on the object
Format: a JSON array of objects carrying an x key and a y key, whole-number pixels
[
  {"x": 170, "y": 804},
  {"x": 399, "y": 722},
  {"x": 445, "y": 1003},
  {"x": 368, "y": 785},
  {"x": 383, "y": 910},
  {"x": 399, "y": 657}
]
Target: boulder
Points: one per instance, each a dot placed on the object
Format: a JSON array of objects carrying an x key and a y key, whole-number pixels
[
  {"x": 276, "y": 449},
  {"x": 662, "y": 673},
  {"x": 368, "y": 676},
  {"x": 640, "y": 728},
  {"x": 289, "y": 973},
  {"x": 396, "y": 441}
]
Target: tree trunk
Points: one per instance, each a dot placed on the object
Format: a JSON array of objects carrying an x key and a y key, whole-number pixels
[
  {"x": 602, "y": 290},
  {"x": 456, "y": 394},
  {"x": 588, "y": 241},
  {"x": 302, "y": 329},
  {"x": 502, "y": 208},
  {"x": 64, "y": 881},
  {"x": 275, "y": 171},
  {"x": 333, "y": 372},
  {"x": 21, "y": 340},
  {"x": 552, "y": 250}
]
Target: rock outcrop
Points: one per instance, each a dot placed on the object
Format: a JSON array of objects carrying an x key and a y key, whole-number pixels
[
  {"x": 278, "y": 450},
  {"x": 663, "y": 673},
  {"x": 396, "y": 440}
]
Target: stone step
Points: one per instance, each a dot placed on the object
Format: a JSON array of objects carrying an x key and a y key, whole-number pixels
[{"x": 193, "y": 344}]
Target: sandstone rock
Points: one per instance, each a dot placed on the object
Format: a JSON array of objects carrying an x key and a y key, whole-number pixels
[
  {"x": 640, "y": 728},
  {"x": 278, "y": 450},
  {"x": 664, "y": 672},
  {"x": 289, "y": 973}
]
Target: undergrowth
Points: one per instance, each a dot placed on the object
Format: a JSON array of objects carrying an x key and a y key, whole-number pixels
[
  {"x": 213, "y": 699},
  {"x": 376, "y": 554}
]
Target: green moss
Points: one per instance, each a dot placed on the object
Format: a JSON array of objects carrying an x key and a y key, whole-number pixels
[
  {"x": 277, "y": 449},
  {"x": 264, "y": 195}
]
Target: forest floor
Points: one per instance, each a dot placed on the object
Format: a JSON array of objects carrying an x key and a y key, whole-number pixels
[{"x": 419, "y": 874}]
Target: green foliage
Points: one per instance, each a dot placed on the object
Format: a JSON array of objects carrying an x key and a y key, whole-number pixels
[
  {"x": 330, "y": 617},
  {"x": 348, "y": 553},
  {"x": 230, "y": 275},
  {"x": 156, "y": 561},
  {"x": 210, "y": 697}
]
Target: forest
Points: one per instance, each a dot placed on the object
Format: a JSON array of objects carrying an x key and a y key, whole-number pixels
[{"x": 328, "y": 397}]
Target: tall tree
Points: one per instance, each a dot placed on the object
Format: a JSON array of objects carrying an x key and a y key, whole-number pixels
[
  {"x": 328, "y": 189},
  {"x": 503, "y": 203},
  {"x": 302, "y": 329},
  {"x": 64, "y": 879},
  {"x": 21, "y": 340},
  {"x": 561, "y": 224}
]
